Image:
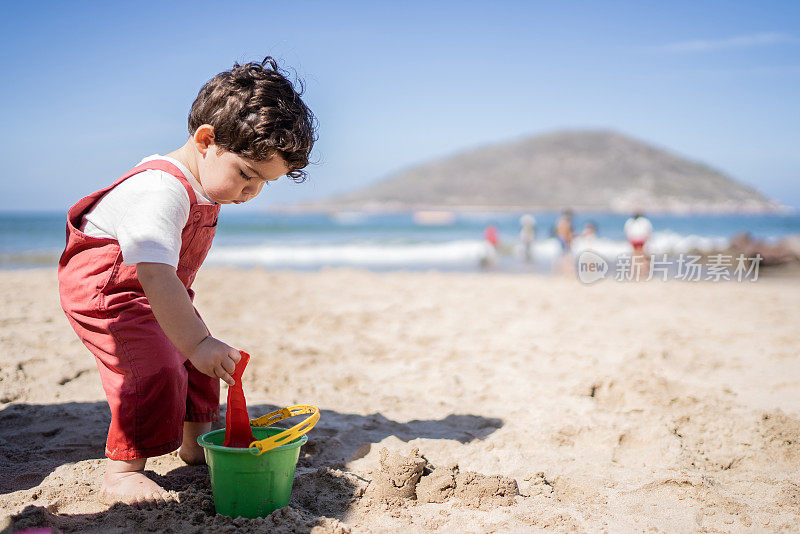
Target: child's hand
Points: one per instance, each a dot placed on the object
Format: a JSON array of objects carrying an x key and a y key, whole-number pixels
[{"x": 216, "y": 359}]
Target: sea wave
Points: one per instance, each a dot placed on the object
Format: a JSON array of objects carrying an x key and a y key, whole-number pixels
[
  {"x": 459, "y": 254},
  {"x": 669, "y": 243},
  {"x": 377, "y": 255}
]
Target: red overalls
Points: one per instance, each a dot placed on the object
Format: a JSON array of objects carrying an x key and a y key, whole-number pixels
[{"x": 151, "y": 387}]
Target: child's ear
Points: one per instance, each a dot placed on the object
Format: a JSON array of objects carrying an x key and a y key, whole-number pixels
[{"x": 203, "y": 138}]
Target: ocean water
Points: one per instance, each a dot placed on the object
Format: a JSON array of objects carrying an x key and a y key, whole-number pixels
[{"x": 399, "y": 240}]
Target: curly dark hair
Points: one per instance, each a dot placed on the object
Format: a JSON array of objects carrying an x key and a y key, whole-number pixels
[{"x": 257, "y": 113}]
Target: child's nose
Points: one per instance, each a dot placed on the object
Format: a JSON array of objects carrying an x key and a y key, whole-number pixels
[{"x": 251, "y": 190}]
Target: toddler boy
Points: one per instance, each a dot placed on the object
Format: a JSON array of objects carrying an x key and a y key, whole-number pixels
[{"x": 133, "y": 250}]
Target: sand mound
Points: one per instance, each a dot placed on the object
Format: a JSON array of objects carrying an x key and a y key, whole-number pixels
[
  {"x": 471, "y": 489},
  {"x": 397, "y": 477},
  {"x": 437, "y": 486},
  {"x": 476, "y": 490},
  {"x": 410, "y": 477}
]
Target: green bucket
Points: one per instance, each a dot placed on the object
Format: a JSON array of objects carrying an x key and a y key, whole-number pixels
[{"x": 247, "y": 485}]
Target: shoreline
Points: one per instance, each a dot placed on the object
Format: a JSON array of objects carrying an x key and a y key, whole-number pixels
[{"x": 787, "y": 272}]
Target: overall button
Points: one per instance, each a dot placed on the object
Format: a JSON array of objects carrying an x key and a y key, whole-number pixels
[{"x": 197, "y": 216}]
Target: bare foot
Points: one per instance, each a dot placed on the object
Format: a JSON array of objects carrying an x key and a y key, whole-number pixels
[
  {"x": 190, "y": 452},
  {"x": 126, "y": 482}
]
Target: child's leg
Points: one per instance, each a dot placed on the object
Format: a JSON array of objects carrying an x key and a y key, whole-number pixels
[
  {"x": 145, "y": 383},
  {"x": 202, "y": 408},
  {"x": 190, "y": 452},
  {"x": 126, "y": 482}
]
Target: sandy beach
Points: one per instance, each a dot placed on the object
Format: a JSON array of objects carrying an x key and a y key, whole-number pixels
[{"x": 450, "y": 402}]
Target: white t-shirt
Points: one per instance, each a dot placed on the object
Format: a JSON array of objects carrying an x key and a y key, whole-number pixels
[
  {"x": 638, "y": 229},
  {"x": 146, "y": 214}
]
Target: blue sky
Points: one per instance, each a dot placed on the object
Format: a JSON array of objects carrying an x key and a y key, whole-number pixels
[{"x": 90, "y": 88}]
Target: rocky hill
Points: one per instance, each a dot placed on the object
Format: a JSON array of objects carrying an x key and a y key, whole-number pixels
[{"x": 583, "y": 170}]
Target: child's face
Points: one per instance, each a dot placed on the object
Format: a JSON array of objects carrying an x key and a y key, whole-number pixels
[{"x": 228, "y": 178}]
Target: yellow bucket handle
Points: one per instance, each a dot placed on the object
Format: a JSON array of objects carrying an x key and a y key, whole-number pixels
[{"x": 290, "y": 434}]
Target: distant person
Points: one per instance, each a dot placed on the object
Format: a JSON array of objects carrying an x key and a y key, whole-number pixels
[
  {"x": 527, "y": 235},
  {"x": 491, "y": 237},
  {"x": 133, "y": 249},
  {"x": 563, "y": 231},
  {"x": 637, "y": 231},
  {"x": 564, "y": 234},
  {"x": 589, "y": 232}
]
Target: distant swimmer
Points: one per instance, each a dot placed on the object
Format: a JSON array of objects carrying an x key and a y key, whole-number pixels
[
  {"x": 563, "y": 231},
  {"x": 527, "y": 235},
  {"x": 492, "y": 236},
  {"x": 589, "y": 231},
  {"x": 637, "y": 231},
  {"x": 492, "y": 240}
]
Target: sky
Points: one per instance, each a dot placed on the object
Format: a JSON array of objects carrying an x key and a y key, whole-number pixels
[{"x": 89, "y": 88}]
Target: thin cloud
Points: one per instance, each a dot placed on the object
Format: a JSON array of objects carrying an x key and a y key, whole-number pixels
[{"x": 742, "y": 41}]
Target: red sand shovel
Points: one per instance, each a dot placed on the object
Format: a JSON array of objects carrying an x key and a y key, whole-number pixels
[
  {"x": 238, "y": 431},
  {"x": 237, "y": 422}
]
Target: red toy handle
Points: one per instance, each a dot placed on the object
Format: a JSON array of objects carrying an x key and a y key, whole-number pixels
[{"x": 237, "y": 422}]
